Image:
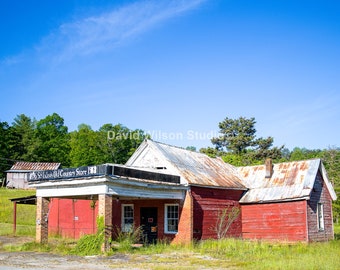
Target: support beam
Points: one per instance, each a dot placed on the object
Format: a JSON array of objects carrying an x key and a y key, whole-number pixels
[
  {"x": 15, "y": 218},
  {"x": 105, "y": 211},
  {"x": 42, "y": 220}
]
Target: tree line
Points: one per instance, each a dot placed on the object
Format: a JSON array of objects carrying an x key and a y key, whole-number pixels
[{"x": 49, "y": 140}]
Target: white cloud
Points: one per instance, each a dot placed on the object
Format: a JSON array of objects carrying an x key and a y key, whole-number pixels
[{"x": 110, "y": 29}]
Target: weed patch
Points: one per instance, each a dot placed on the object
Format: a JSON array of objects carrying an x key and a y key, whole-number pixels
[
  {"x": 126, "y": 241},
  {"x": 91, "y": 244}
]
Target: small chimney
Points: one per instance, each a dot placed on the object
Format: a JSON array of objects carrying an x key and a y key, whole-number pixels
[{"x": 269, "y": 167}]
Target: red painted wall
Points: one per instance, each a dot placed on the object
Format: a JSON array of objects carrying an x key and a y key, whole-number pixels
[
  {"x": 72, "y": 217},
  {"x": 275, "y": 221},
  {"x": 206, "y": 206},
  {"x": 320, "y": 194},
  {"x": 137, "y": 205}
]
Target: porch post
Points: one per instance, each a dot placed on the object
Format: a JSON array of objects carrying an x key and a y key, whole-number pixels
[
  {"x": 105, "y": 211},
  {"x": 15, "y": 218},
  {"x": 42, "y": 220},
  {"x": 186, "y": 221}
]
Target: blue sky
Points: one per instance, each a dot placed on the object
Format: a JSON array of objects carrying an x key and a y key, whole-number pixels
[{"x": 176, "y": 68}]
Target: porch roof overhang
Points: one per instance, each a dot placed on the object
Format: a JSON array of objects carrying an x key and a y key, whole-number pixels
[
  {"x": 25, "y": 200},
  {"x": 119, "y": 187}
]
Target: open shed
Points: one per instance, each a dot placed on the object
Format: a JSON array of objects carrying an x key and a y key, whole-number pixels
[{"x": 32, "y": 200}]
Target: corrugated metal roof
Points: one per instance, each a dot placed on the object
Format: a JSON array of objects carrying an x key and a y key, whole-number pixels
[
  {"x": 290, "y": 180},
  {"x": 34, "y": 166},
  {"x": 195, "y": 168}
]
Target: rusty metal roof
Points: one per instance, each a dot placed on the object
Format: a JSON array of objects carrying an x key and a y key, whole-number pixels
[
  {"x": 289, "y": 181},
  {"x": 33, "y": 166},
  {"x": 195, "y": 168}
]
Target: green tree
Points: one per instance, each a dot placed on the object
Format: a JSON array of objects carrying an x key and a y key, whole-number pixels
[
  {"x": 84, "y": 146},
  {"x": 191, "y": 148},
  {"x": 5, "y": 162},
  {"x": 263, "y": 148},
  {"x": 211, "y": 152},
  {"x": 237, "y": 135},
  {"x": 304, "y": 153},
  {"x": 238, "y": 144},
  {"x": 118, "y": 142},
  {"x": 23, "y": 141},
  {"x": 236, "y": 160},
  {"x": 110, "y": 144},
  {"x": 53, "y": 140},
  {"x": 331, "y": 160}
]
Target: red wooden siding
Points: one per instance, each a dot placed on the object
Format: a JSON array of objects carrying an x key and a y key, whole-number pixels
[
  {"x": 207, "y": 202},
  {"x": 275, "y": 221},
  {"x": 72, "y": 217},
  {"x": 137, "y": 205},
  {"x": 320, "y": 194}
]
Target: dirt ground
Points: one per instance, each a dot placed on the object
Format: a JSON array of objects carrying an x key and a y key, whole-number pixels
[
  {"x": 48, "y": 261},
  {"x": 42, "y": 261}
]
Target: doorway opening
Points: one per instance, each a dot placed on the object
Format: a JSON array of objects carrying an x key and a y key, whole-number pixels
[{"x": 148, "y": 222}]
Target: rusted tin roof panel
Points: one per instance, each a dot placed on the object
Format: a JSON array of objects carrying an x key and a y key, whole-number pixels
[
  {"x": 199, "y": 169},
  {"x": 34, "y": 166},
  {"x": 289, "y": 180}
]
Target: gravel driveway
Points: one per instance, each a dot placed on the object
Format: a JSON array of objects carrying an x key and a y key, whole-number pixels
[
  {"x": 49, "y": 261},
  {"x": 45, "y": 261}
]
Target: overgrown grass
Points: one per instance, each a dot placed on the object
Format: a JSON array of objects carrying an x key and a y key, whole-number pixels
[
  {"x": 337, "y": 231},
  {"x": 211, "y": 254},
  {"x": 264, "y": 255},
  {"x": 21, "y": 230},
  {"x": 208, "y": 254},
  {"x": 25, "y": 213},
  {"x": 61, "y": 246}
]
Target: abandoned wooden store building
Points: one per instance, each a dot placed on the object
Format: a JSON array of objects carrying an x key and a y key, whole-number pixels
[{"x": 176, "y": 194}]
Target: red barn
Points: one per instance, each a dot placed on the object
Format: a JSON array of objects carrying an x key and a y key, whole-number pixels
[{"x": 179, "y": 195}]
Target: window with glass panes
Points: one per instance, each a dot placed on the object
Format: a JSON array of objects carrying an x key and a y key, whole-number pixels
[
  {"x": 171, "y": 218},
  {"x": 127, "y": 217},
  {"x": 321, "y": 222}
]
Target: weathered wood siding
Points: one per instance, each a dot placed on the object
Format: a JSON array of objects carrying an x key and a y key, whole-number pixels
[
  {"x": 72, "y": 217},
  {"x": 275, "y": 221},
  {"x": 17, "y": 180},
  {"x": 207, "y": 204},
  {"x": 320, "y": 194}
]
